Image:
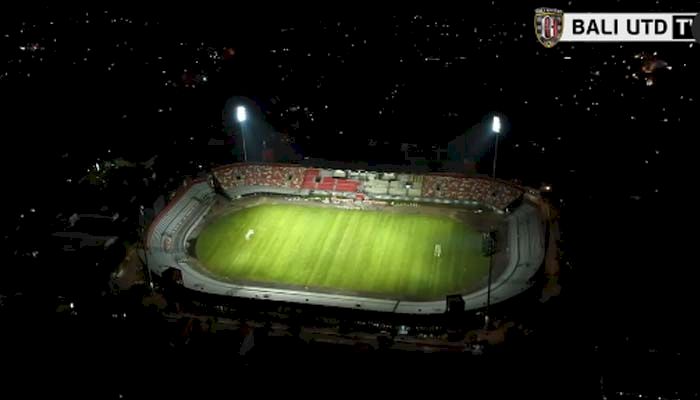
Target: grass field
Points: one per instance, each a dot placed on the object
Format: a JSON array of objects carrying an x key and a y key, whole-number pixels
[{"x": 381, "y": 254}]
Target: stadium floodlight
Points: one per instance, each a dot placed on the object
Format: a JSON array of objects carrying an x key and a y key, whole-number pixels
[
  {"x": 241, "y": 114},
  {"x": 496, "y": 124},
  {"x": 496, "y": 127}
]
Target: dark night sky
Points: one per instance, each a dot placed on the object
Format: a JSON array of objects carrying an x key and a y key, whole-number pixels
[
  {"x": 423, "y": 77},
  {"x": 615, "y": 142}
]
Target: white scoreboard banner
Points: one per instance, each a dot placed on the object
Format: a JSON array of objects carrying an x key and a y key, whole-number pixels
[
  {"x": 553, "y": 26},
  {"x": 627, "y": 27}
]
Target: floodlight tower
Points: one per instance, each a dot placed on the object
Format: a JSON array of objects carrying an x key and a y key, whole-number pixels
[
  {"x": 241, "y": 117},
  {"x": 496, "y": 129}
]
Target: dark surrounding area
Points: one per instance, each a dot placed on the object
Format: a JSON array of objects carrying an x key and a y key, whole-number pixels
[{"x": 107, "y": 108}]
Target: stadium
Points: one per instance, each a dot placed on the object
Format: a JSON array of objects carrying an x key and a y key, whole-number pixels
[{"x": 373, "y": 240}]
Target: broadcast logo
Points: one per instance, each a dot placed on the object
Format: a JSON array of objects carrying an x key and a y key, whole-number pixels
[
  {"x": 549, "y": 26},
  {"x": 553, "y": 26}
]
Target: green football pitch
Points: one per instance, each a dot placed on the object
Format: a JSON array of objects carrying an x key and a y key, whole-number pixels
[{"x": 372, "y": 253}]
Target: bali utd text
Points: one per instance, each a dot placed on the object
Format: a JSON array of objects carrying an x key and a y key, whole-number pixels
[{"x": 553, "y": 26}]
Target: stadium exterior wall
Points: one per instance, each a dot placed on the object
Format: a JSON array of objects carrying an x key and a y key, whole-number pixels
[{"x": 168, "y": 235}]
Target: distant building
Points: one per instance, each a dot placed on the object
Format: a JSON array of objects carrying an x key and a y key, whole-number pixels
[
  {"x": 73, "y": 241},
  {"x": 412, "y": 152},
  {"x": 88, "y": 230}
]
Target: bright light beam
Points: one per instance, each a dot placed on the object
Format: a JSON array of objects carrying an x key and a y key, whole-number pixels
[
  {"x": 496, "y": 124},
  {"x": 241, "y": 114}
]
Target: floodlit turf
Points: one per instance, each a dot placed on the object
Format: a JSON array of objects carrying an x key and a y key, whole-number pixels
[{"x": 380, "y": 254}]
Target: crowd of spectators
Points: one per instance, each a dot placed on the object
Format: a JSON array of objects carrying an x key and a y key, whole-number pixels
[
  {"x": 235, "y": 175},
  {"x": 481, "y": 190}
]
